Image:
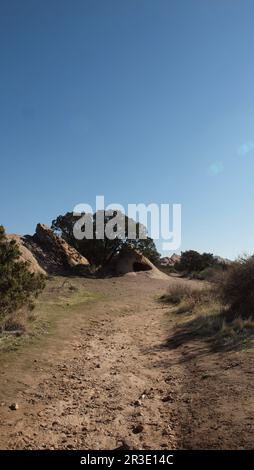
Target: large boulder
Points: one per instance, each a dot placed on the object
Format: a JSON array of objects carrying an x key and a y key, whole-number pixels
[
  {"x": 170, "y": 260},
  {"x": 26, "y": 254},
  {"x": 60, "y": 249},
  {"x": 45, "y": 252}
]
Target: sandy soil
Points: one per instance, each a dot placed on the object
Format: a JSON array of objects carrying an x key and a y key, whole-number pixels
[{"x": 107, "y": 375}]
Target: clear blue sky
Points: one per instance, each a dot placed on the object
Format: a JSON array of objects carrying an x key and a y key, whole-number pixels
[{"x": 139, "y": 100}]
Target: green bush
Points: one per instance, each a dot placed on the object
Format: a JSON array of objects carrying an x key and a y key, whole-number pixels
[
  {"x": 213, "y": 273},
  {"x": 192, "y": 261},
  {"x": 18, "y": 286}
]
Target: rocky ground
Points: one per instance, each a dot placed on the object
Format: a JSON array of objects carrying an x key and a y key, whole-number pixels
[{"x": 106, "y": 375}]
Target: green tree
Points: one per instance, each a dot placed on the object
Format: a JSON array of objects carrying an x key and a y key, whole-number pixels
[
  {"x": 148, "y": 248},
  {"x": 18, "y": 286},
  {"x": 100, "y": 251},
  {"x": 192, "y": 261}
]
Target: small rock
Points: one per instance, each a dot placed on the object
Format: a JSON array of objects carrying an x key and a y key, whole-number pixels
[
  {"x": 167, "y": 398},
  {"x": 137, "y": 429},
  {"x": 137, "y": 403},
  {"x": 70, "y": 446},
  {"x": 125, "y": 445},
  {"x": 14, "y": 406}
]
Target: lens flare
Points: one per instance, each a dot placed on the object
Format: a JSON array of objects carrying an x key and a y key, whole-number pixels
[{"x": 216, "y": 168}]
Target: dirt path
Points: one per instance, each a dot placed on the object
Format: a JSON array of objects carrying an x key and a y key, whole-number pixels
[{"x": 106, "y": 377}]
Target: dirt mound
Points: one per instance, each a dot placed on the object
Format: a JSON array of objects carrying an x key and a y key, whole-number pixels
[{"x": 130, "y": 260}]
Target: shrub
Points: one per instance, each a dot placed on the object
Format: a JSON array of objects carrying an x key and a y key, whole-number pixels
[
  {"x": 18, "y": 286},
  {"x": 186, "y": 297},
  {"x": 192, "y": 261},
  {"x": 237, "y": 288},
  {"x": 222, "y": 313},
  {"x": 167, "y": 269},
  {"x": 214, "y": 273}
]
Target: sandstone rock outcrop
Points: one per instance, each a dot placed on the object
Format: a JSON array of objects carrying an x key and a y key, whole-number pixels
[
  {"x": 59, "y": 247},
  {"x": 26, "y": 254},
  {"x": 170, "y": 260},
  {"x": 47, "y": 253}
]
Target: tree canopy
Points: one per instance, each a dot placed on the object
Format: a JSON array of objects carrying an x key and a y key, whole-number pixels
[
  {"x": 99, "y": 251},
  {"x": 192, "y": 261}
]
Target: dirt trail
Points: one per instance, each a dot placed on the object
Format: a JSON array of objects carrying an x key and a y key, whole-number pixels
[{"x": 107, "y": 377}]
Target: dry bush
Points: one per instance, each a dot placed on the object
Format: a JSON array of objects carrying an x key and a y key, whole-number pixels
[
  {"x": 15, "y": 322},
  {"x": 186, "y": 297},
  {"x": 222, "y": 313},
  {"x": 214, "y": 274},
  {"x": 237, "y": 288}
]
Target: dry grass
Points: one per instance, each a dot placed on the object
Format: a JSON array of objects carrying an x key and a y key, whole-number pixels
[
  {"x": 186, "y": 298},
  {"x": 227, "y": 306},
  {"x": 204, "y": 316},
  {"x": 18, "y": 322},
  {"x": 60, "y": 298},
  {"x": 15, "y": 323}
]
